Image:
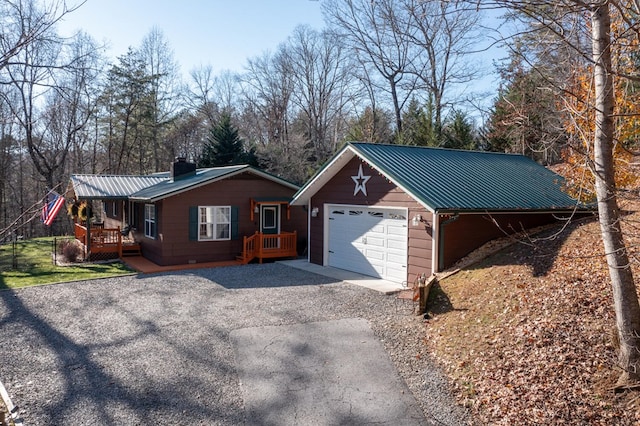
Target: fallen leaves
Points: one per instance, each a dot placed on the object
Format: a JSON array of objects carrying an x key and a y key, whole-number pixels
[{"x": 526, "y": 335}]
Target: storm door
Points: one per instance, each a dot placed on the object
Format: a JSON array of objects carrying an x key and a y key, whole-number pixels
[{"x": 270, "y": 218}]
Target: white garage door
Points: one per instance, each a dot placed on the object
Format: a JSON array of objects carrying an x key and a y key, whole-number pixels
[{"x": 371, "y": 241}]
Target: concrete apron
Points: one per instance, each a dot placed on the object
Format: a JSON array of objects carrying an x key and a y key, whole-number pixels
[
  {"x": 322, "y": 373},
  {"x": 378, "y": 284}
]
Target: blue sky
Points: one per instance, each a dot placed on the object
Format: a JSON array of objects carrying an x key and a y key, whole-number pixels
[{"x": 220, "y": 33}]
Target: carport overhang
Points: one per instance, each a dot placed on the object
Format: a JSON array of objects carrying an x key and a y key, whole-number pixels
[{"x": 443, "y": 217}]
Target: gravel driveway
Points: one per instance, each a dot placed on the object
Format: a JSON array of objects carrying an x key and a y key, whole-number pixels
[{"x": 156, "y": 349}]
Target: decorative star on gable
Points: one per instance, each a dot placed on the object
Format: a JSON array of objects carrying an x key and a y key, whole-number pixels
[{"x": 361, "y": 182}]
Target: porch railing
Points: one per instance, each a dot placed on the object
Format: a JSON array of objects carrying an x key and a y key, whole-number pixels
[
  {"x": 100, "y": 240},
  {"x": 266, "y": 246}
]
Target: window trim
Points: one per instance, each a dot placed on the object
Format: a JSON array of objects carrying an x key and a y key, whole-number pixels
[
  {"x": 151, "y": 229},
  {"x": 214, "y": 224},
  {"x": 273, "y": 209}
]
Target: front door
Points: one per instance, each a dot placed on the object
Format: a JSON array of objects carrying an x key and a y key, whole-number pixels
[{"x": 269, "y": 219}]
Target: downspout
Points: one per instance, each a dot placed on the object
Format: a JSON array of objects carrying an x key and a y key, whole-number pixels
[
  {"x": 435, "y": 238},
  {"x": 309, "y": 230},
  {"x": 441, "y": 226}
]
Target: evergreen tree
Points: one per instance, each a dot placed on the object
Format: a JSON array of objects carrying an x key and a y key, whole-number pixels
[
  {"x": 459, "y": 133},
  {"x": 224, "y": 147},
  {"x": 495, "y": 135},
  {"x": 525, "y": 117},
  {"x": 418, "y": 126},
  {"x": 372, "y": 125},
  {"x": 126, "y": 116}
]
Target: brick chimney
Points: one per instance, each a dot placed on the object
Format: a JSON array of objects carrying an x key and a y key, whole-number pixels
[{"x": 181, "y": 169}]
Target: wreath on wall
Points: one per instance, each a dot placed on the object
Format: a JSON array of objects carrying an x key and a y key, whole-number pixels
[
  {"x": 79, "y": 210},
  {"x": 72, "y": 210}
]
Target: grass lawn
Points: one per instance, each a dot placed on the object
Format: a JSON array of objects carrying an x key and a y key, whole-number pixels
[{"x": 35, "y": 266}]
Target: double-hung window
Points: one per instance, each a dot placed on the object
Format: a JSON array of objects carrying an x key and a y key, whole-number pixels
[
  {"x": 214, "y": 223},
  {"x": 150, "y": 220}
]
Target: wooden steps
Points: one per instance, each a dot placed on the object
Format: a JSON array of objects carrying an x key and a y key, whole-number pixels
[{"x": 131, "y": 249}]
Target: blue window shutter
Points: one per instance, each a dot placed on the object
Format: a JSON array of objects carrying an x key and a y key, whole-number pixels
[
  {"x": 234, "y": 223},
  {"x": 193, "y": 223}
]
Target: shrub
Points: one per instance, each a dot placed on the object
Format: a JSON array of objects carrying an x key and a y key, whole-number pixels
[{"x": 70, "y": 249}]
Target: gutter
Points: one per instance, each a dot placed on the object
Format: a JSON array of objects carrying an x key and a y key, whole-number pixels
[{"x": 522, "y": 211}]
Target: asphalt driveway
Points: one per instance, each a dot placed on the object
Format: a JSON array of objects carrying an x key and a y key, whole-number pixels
[{"x": 170, "y": 349}]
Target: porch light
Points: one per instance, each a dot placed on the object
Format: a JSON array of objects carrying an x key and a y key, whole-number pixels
[
  {"x": 416, "y": 220},
  {"x": 314, "y": 212},
  {"x": 256, "y": 209}
]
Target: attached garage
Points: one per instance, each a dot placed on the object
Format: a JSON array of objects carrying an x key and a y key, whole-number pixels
[
  {"x": 395, "y": 212},
  {"x": 371, "y": 241}
]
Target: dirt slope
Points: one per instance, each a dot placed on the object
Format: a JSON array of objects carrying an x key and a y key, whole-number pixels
[{"x": 526, "y": 334}]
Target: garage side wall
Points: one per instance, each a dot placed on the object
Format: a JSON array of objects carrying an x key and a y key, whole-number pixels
[
  {"x": 470, "y": 231},
  {"x": 380, "y": 193}
]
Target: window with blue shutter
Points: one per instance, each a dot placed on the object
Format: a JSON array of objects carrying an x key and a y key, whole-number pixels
[
  {"x": 193, "y": 223},
  {"x": 213, "y": 223},
  {"x": 234, "y": 223}
]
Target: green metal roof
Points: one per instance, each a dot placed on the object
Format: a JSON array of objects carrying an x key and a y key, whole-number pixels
[
  {"x": 183, "y": 183},
  {"x": 170, "y": 187},
  {"x": 447, "y": 180},
  {"x": 158, "y": 185}
]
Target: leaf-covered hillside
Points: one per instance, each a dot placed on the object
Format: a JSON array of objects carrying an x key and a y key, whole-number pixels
[{"x": 527, "y": 335}]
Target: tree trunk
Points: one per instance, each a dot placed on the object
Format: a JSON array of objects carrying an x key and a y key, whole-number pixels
[{"x": 625, "y": 297}]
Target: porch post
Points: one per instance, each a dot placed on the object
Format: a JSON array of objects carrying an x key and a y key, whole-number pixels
[{"x": 88, "y": 242}]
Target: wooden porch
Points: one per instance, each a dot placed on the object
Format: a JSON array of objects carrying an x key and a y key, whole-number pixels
[
  {"x": 268, "y": 246},
  {"x": 106, "y": 240},
  {"x": 261, "y": 246}
]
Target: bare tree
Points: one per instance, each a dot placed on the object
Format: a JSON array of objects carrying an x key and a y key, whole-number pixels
[
  {"x": 201, "y": 93},
  {"x": 76, "y": 97},
  {"x": 33, "y": 64},
  {"x": 31, "y": 75},
  {"x": 320, "y": 69},
  {"x": 157, "y": 55},
  {"x": 226, "y": 90},
  {"x": 268, "y": 87},
  {"x": 555, "y": 20},
  {"x": 187, "y": 135},
  {"x": 443, "y": 35},
  {"x": 8, "y": 146},
  {"x": 212, "y": 95},
  {"x": 377, "y": 35},
  {"x": 625, "y": 297},
  {"x": 25, "y": 22}
]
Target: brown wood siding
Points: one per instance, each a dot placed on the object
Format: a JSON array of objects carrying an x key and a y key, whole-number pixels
[
  {"x": 420, "y": 244},
  {"x": 108, "y": 209},
  {"x": 470, "y": 231},
  {"x": 173, "y": 245},
  {"x": 108, "y": 218},
  {"x": 380, "y": 193}
]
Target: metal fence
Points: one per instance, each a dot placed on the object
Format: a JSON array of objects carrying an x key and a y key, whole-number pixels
[{"x": 20, "y": 254}]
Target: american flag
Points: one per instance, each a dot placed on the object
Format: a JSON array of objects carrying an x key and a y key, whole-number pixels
[{"x": 53, "y": 202}]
